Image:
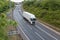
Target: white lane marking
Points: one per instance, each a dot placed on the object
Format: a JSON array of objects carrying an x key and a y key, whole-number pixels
[
  {"x": 24, "y": 22},
  {"x": 40, "y": 36},
  {"x": 25, "y": 34},
  {"x": 21, "y": 29},
  {"x": 49, "y": 28},
  {"x": 28, "y": 25},
  {"x": 46, "y": 32}
]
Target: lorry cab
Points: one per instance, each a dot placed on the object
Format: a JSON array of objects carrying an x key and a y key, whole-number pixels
[{"x": 33, "y": 20}]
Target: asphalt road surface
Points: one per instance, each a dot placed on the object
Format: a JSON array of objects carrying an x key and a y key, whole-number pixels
[{"x": 32, "y": 32}]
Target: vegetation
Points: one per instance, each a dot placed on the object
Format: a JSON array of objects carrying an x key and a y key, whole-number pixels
[
  {"x": 4, "y": 22},
  {"x": 4, "y": 5},
  {"x": 46, "y": 10}
]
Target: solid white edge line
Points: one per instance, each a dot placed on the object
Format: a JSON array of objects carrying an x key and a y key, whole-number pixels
[
  {"x": 50, "y": 28},
  {"x": 22, "y": 31},
  {"x": 46, "y": 32},
  {"x": 39, "y": 36},
  {"x": 25, "y": 34}
]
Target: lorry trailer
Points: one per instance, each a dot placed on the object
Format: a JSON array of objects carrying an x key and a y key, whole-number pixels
[{"x": 30, "y": 17}]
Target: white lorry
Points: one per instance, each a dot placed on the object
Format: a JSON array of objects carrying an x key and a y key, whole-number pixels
[{"x": 30, "y": 17}]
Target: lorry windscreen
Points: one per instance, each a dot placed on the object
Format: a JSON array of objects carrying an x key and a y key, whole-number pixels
[{"x": 33, "y": 19}]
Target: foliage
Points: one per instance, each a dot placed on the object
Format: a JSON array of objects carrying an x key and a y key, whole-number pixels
[
  {"x": 4, "y": 22},
  {"x": 48, "y": 11},
  {"x": 4, "y": 5}
]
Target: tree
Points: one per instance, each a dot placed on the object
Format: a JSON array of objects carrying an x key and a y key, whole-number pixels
[{"x": 4, "y": 22}]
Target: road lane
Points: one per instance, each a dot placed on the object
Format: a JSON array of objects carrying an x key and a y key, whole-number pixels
[
  {"x": 32, "y": 32},
  {"x": 47, "y": 33},
  {"x": 25, "y": 28},
  {"x": 43, "y": 34},
  {"x": 48, "y": 30}
]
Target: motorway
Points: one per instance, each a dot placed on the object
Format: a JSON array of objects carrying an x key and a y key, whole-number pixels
[{"x": 32, "y": 32}]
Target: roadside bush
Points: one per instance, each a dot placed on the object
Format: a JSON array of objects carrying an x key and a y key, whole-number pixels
[
  {"x": 48, "y": 11},
  {"x": 4, "y": 22}
]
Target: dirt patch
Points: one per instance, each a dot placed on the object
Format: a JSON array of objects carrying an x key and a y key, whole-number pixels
[{"x": 13, "y": 37}]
